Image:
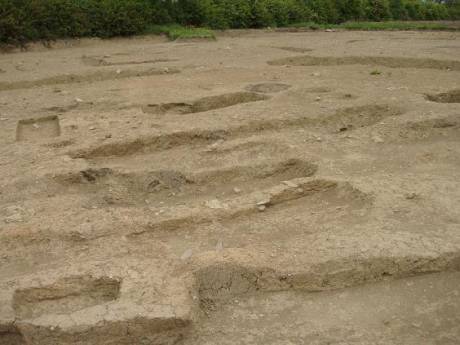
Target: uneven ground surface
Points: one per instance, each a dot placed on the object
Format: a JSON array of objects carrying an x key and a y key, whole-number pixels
[{"x": 266, "y": 188}]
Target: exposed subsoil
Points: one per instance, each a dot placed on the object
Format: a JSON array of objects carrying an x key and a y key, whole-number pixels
[{"x": 264, "y": 188}]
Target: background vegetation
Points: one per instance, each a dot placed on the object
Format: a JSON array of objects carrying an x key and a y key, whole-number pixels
[{"x": 30, "y": 20}]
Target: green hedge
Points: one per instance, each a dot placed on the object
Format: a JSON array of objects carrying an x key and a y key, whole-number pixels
[{"x": 29, "y": 20}]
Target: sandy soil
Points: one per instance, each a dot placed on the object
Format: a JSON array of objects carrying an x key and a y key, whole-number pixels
[{"x": 265, "y": 188}]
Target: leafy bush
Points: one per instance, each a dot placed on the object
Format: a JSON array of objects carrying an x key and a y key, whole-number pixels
[
  {"x": 325, "y": 11},
  {"x": 378, "y": 10},
  {"x": 116, "y": 17},
  {"x": 56, "y": 18},
  {"x": 224, "y": 14},
  {"x": 350, "y": 10},
  {"x": 13, "y": 28},
  {"x": 279, "y": 12},
  {"x": 453, "y": 8},
  {"x": 26, "y": 20},
  {"x": 398, "y": 10}
]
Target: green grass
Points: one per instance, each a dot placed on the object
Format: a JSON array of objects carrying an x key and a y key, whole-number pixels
[
  {"x": 311, "y": 26},
  {"x": 376, "y": 72},
  {"x": 394, "y": 25},
  {"x": 175, "y": 32},
  {"x": 377, "y": 26}
]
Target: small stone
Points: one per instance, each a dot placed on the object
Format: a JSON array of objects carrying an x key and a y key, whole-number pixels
[
  {"x": 262, "y": 208},
  {"x": 290, "y": 184},
  {"x": 36, "y": 126},
  {"x": 220, "y": 246},
  {"x": 317, "y": 99},
  {"x": 77, "y": 236},
  {"x": 92, "y": 128},
  {"x": 78, "y": 100},
  {"x": 187, "y": 254},
  {"x": 237, "y": 190},
  {"x": 118, "y": 71},
  {"x": 263, "y": 202},
  {"x": 329, "y": 30},
  {"x": 215, "y": 204},
  {"x": 108, "y": 136},
  {"x": 377, "y": 139},
  {"x": 3, "y": 118},
  {"x": 316, "y": 74},
  {"x": 411, "y": 196},
  {"x": 14, "y": 214},
  {"x": 14, "y": 218}
]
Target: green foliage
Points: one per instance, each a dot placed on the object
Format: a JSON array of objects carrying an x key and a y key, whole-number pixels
[
  {"x": 190, "y": 33},
  {"x": 398, "y": 10},
  {"x": 393, "y": 25},
  {"x": 351, "y": 10},
  {"x": 224, "y": 14},
  {"x": 325, "y": 11},
  {"x": 28, "y": 20},
  {"x": 376, "y": 26},
  {"x": 67, "y": 20},
  {"x": 453, "y": 8},
  {"x": 175, "y": 31},
  {"x": 13, "y": 28},
  {"x": 279, "y": 12},
  {"x": 116, "y": 17},
  {"x": 378, "y": 10}
]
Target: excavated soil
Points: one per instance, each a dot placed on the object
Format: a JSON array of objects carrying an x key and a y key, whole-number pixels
[
  {"x": 445, "y": 97},
  {"x": 264, "y": 188}
]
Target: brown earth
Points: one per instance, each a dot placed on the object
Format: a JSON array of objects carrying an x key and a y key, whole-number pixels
[{"x": 265, "y": 188}]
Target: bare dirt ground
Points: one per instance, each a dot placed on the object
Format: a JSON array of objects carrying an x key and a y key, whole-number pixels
[{"x": 266, "y": 188}]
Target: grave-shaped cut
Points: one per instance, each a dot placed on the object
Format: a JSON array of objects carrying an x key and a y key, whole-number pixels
[
  {"x": 205, "y": 103},
  {"x": 268, "y": 87},
  {"x": 452, "y": 96},
  {"x": 65, "y": 296},
  {"x": 10, "y": 335},
  {"x": 38, "y": 128}
]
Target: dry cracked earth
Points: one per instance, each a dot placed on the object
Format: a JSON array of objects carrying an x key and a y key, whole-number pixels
[{"x": 264, "y": 188}]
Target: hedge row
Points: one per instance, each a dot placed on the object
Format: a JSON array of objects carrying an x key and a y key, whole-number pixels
[{"x": 29, "y": 20}]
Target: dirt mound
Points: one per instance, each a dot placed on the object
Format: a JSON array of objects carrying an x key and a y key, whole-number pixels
[
  {"x": 204, "y": 104},
  {"x": 445, "y": 97},
  {"x": 318, "y": 89},
  {"x": 84, "y": 78},
  {"x": 268, "y": 87},
  {"x": 10, "y": 335},
  {"x": 96, "y": 61},
  {"x": 432, "y": 128},
  {"x": 295, "y": 49},
  {"x": 386, "y": 61},
  {"x": 357, "y": 117},
  {"x": 65, "y": 296}
]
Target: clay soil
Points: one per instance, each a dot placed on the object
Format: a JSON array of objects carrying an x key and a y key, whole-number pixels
[{"x": 264, "y": 188}]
